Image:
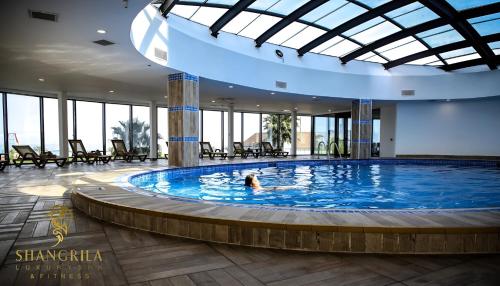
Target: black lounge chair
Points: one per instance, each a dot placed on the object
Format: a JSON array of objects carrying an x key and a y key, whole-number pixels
[
  {"x": 122, "y": 152},
  {"x": 267, "y": 149},
  {"x": 27, "y": 156},
  {"x": 240, "y": 150},
  {"x": 3, "y": 161},
  {"x": 166, "y": 154},
  {"x": 79, "y": 152},
  {"x": 206, "y": 149}
]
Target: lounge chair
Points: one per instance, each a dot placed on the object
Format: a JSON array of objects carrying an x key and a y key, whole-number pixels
[
  {"x": 240, "y": 150},
  {"x": 79, "y": 152},
  {"x": 27, "y": 156},
  {"x": 121, "y": 151},
  {"x": 206, "y": 149},
  {"x": 166, "y": 154},
  {"x": 267, "y": 149},
  {"x": 3, "y": 161}
]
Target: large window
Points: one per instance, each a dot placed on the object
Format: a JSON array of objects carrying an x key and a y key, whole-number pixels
[
  {"x": 24, "y": 121},
  {"x": 270, "y": 129},
  {"x": 303, "y": 135},
  {"x": 71, "y": 119},
  {"x": 89, "y": 124},
  {"x": 251, "y": 130},
  {"x": 162, "y": 131},
  {"x": 51, "y": 125},
  {"x": 320, "y": 134},
  {"x": 117, "y": 124},
  {"x": 141, "y": 129},
  {"x": 376, "y": 138},
  {"x": 236, "y": 128},
  {"x": 2, "y": 149},
  {"x": 212, "y": 128}
]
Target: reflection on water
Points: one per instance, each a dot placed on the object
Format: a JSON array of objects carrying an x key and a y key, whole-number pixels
[{"x": 341, "y": 186}]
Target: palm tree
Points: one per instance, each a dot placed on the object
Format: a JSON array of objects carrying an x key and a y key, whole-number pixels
[
  {"x": 140, "y": 133},
  {"x": 281, "y": 133}
]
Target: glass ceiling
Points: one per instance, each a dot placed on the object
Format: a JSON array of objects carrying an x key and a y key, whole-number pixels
[{"x": 261, "y": 15}]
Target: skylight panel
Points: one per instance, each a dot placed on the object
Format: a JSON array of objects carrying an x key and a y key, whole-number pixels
[
  {"x": 327, "y": 44},
  {"x": 185, "y": 11},
  {"x": 424, "y": 61},
  {"x": 443, "y": 38},
  {"x": 463, "y": 58},
  {"x": 436, "y": 63},
  {"x": 259, "y": 26},
  {"x": 285, "y": 7},
  {"x": 494, "y": 45},
  {"x": 434, "y": 31},
  {"x": 376, "y": 59},
  {"x": 207, "y": 15},
  {"x": 364, "y": 26},
  {"x": 488, "y": 28},
  {"x": 286, "y": 33},
  {"x": 404, "y": 10},
  {"x": 263, "y": 4},
  {"x": 496, "y": 51},
  {"x": 484, "y": 18},
  {"x": 457, "y": 53},
  {"x": 396, "y": 44},
  {"x": 225, "y": 2},
  {"x": 405, "y": 50},
  {"x": 341, "y": 48},
  {"x": 341, "y": 16},
  {"x": 323, "y": 10},
  {"x": 384, "y": 29},
  {"x": 466, "y": 4},
  {"x": 365, "y": 56},
  {"x": 196, "y": 1},
  {"x": 416, "y": 17},
  {"x": 240, "y": 22},
  {"x": 374, "y": 3},
  {"x": 305, "y": 36}
]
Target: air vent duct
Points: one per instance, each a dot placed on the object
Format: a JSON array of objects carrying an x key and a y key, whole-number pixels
[
  {"x": 161, "y": 54},
  {"x": 281, "y": 84},
  {"x": 408, "y": 92},
  {"x": 43, "y": 15},
  {"x": 104, "y": 42}
]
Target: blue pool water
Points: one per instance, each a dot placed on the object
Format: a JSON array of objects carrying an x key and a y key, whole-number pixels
[{"x": 336, "y": 186}]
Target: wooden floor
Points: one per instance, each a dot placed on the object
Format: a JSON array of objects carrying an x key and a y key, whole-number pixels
[{"x": 139, "y": 258}]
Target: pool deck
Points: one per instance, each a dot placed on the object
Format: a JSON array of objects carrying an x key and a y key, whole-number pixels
[{"x": 108, "y": 197}]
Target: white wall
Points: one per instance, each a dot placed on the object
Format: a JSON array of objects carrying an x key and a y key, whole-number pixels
[
  {"x": 388, "y": 130},
  {"x": 464, "y": 127}
]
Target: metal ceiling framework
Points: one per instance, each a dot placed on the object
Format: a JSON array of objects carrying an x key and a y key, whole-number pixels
[{"x": 446, "y": 12}]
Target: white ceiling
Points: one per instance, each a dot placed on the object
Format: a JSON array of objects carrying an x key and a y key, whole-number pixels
[{"x": 64, "y": 55}]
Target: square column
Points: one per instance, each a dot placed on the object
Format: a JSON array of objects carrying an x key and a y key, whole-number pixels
[
  {"x": 183, "y": 107},
  {"x": 361, "y": 113},
  {"x": 153, "y": 119},
  {"x": 293, "y": 149},
  {"x": 62, "y": 109},
  {"x": 230, "y": 131}
]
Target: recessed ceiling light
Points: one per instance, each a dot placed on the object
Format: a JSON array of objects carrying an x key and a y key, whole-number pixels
[
  {"x": 213, "y": 101},
  {"x": 286, "y": 110},
  {"x": 296, "y": 108},
  {"x": 41, "y": 79},
  {"x": 101, "y": 31},
  {"x": 329, "y": 110},
  {"x": 230, "y": 86},
  {"x": 448, "y": 100},
  {"x": 273, "y": 93},
  {"x": 111, "y": 91},
  {"x": 166, "y": 96},
  {"x": 258, "y": 105},
  {"x": 314, "y": 97}
]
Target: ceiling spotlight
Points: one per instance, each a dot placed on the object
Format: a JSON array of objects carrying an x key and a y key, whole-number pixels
[
  {"x": 329, "y": 110},
  {"x": 448, "y": 100},
  {"x": 166, "y": 96},
  {"x": 286, "y": 110},
  {"x": 258, "y": 105},
  {"x": 111, "y": 91},
  {"x": 101, "y": 31},
  {"x": 314, "y": 97},
  {"x": 230, "y": 86},
  {"x": 213, "y": 101},
  {"x": 41, "y": 79},
  {"x": 273, "y": 92},
  {"x": 296, "y": 108}
]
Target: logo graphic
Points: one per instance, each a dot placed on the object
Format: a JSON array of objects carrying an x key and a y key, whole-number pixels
[{"x": 58, "y": 215}]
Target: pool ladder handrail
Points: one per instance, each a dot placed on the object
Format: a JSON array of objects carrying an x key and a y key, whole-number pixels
[
  {"x": 335, "y": 145},
  {"x": 319, "y": 145}
]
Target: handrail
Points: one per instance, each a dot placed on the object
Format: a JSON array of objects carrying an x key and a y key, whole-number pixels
[
  {"x": 319, "y": 145},
  {"x": 338, "y": 149}
]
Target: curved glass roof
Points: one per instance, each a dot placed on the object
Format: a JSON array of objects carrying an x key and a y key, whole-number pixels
[{"x": 449, "y": 34}]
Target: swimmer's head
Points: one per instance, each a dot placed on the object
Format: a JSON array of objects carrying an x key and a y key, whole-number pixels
[{"x": 251, "y": 180}]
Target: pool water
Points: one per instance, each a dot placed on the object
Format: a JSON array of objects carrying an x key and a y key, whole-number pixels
[{"x": 339, "y": 186}]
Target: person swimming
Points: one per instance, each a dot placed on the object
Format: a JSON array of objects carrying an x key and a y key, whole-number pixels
[{"x": 252, "y": 181}]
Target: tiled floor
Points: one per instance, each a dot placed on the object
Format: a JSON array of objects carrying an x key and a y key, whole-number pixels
[{"x": 138, "y": 258}]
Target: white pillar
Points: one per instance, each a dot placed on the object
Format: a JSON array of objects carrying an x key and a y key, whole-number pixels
[
  {"x": 230, "y": 131},
  {"x": 153, "y": 119},
  {"x": 293, "y": 148},
  {"x": 62, "y": 109}
]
